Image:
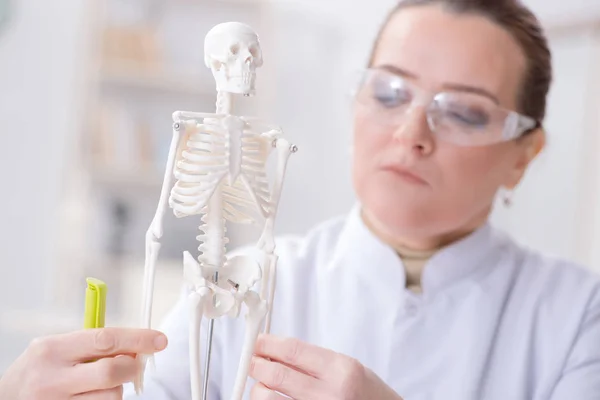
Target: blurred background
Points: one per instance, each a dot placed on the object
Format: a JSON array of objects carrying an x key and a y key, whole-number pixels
[{"x": 87, "y": 89}]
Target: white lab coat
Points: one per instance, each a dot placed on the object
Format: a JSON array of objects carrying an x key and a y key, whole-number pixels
[{"x": 495, "y": 320}]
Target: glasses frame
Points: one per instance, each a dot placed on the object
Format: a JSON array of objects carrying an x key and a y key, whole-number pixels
[{"x": 516, "y": 125}]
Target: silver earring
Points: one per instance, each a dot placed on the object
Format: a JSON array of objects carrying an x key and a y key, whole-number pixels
[{"x": 507, "y": 198}]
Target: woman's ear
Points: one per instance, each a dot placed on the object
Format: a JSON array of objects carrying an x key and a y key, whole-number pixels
[
  {"x": 537, "y": 143},
  {"x": 529, "y": 147}
]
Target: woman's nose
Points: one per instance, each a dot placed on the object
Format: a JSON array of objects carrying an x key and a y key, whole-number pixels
[{"x": 414, "y": 133}]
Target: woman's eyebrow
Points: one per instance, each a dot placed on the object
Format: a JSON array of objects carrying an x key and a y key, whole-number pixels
[
  {"x": 397, "y": 71},
  {"x": 451, "y": 86},
  {"x": 472, "y": 89}
]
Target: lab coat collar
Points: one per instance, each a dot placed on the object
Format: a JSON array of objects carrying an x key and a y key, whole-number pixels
[{"x": 359, "y": 248}]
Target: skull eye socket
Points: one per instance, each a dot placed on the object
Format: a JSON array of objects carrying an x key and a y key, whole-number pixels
[
  {"x": 234, "y": 49},
  {"x": 253, "y": 51}
]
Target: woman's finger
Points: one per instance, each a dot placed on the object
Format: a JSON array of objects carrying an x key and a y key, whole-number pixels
[
  {"x": 261, "y": 392},
  {"x": 91, "y": 344},
  {"x": 311, "y": 359},
  {"x": 104, "y": 374},
  {"x": 283, "y": 379},
  {"x": 108, "y": 394}
]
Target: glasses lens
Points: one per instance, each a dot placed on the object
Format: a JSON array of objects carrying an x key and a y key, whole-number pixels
[
  {"x": 382, "y": 91},
  {"x": 467, "y": 119}
]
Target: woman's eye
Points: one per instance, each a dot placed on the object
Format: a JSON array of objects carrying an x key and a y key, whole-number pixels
[
  {"x": 391, "y": 97},
  {"x": 468, "y": 116}
]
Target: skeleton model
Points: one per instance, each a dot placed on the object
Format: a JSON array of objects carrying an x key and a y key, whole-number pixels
[{"x": 218, "y": 163}]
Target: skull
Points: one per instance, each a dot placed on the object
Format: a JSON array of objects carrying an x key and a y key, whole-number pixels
[{"x": 232, "y": 51}]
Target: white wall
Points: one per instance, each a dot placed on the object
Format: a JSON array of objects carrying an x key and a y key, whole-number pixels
[
  {"x": 549, "y": 211},
  {"x": 38, "y": 71},
  {"x": 557, "y": 207},
  {"x": 564, "y": 12},
  {"x": 351, "y": 13}
]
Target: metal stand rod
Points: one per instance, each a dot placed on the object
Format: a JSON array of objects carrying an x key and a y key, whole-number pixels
[
  {"x": 211, "y": 325},
  {"x": 209, "y": 345}
]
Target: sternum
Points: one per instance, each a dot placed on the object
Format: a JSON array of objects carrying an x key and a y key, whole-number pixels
[{"x": 235, "y": 153}]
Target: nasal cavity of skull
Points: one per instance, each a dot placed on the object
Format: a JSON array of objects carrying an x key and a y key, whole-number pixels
[
  {"x": 235, "y": 48},
  {"x": 217, "y": 65}
]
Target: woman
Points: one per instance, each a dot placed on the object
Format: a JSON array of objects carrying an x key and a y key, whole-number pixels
[{"x": 413, "y": 295}]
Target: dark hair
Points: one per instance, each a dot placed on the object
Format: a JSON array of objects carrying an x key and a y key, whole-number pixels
[{"x": 523, "y": 25}]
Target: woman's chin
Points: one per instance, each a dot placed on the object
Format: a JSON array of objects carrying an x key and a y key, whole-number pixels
[{"x": 399, "y": 217}]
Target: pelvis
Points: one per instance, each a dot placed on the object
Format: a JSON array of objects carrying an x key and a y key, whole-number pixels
[{"x": 234, "y": 280}]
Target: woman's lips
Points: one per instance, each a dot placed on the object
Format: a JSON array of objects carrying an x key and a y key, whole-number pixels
[{"x": 406, "y": 174}]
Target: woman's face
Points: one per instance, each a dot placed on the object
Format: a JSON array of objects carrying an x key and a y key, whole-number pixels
[{"x": 437, "y": 50}]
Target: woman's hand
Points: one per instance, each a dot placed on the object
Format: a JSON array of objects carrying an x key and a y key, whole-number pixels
[
  {"x": 56, "y": 367},
  {"x": 306, "y": 372}
]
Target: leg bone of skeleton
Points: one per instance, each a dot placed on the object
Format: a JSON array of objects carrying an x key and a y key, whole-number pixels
[
  {"x": 271, "y": 266},
  {"x": 197, "y": 301},
  {"x": 154, "y": 233},
  {"x": 257, "y": 310}
]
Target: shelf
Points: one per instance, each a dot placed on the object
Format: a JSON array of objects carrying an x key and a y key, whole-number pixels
[
  {"x": 121, "y": 178},
  {"x": 132, "y": 78}
]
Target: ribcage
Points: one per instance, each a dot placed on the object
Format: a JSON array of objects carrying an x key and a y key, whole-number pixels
[
  {"x": 199, "y": 168},
  {"x": 204, "y": 163}
]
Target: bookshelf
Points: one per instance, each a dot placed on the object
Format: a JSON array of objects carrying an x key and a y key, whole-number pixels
[{"x": 127, "y": 78}]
